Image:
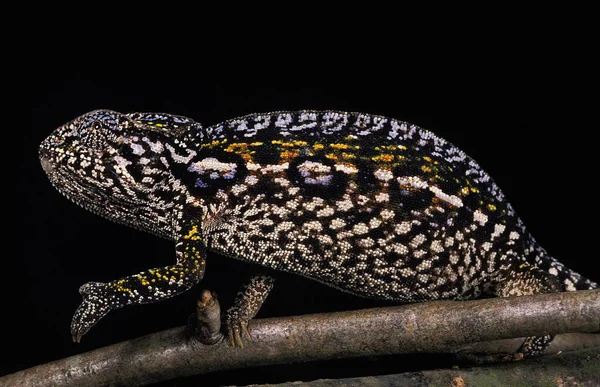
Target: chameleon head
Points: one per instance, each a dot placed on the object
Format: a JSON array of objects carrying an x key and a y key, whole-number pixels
[{"x": 110, "y": 163}]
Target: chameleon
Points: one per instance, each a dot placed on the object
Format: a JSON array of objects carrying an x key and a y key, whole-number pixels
[{"x": 370, "y": 205}]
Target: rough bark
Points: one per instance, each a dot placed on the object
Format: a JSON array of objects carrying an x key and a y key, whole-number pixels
[{"x": 433, "y": 327}]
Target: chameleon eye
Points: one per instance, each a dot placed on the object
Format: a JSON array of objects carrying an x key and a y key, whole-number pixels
[
  {"x": 96, "y": 125},
  {"x": 94, "y": 136}
]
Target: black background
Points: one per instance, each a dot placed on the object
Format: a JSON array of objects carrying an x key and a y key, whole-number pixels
[{"x": 524, "y": 112}]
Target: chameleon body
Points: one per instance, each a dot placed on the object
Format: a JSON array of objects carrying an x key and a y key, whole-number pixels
[{"x": 370, "y": 205}]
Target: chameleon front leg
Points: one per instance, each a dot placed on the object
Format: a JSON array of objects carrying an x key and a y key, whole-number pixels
[
  {"x": 146, "y": 287},
  {"x": 247, "y": 303}
]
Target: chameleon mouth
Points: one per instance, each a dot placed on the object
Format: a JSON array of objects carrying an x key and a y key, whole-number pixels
[{"x": 47, "y": 165}]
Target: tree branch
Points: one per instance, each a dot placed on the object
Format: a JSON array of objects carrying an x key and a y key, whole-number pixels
[
  {"x": 434, "y": 327},
  {"x": 580, "y": 368}
]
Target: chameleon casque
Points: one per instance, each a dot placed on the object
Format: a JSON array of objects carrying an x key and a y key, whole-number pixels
[{"x": 366, "y": 204}]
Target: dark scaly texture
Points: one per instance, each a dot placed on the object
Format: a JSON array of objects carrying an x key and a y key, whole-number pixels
[{"x": 367, "y": 204}]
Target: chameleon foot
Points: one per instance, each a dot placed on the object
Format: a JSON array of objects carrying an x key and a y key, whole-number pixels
[
  {"x": 534, "y": 346},
  {"x": 237, "y": 327},
  {"x": 93, "y": 308},
  {"x": 246, "y": 305}
]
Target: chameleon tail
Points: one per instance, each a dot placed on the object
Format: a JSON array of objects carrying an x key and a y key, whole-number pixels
[{"x": 569, "y": 278}]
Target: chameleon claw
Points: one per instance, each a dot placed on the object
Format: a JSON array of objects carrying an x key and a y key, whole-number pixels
[
  {"x": 238, "y": 339},
  {"x": 235, "y": 339},
  {"x": 235, "y": 335},
  {"x": 77, "y": 337},
  {"x": 245, "y": 332}
]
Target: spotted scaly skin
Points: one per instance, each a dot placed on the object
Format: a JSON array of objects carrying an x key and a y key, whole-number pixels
[{"x": 367, "y": 204}]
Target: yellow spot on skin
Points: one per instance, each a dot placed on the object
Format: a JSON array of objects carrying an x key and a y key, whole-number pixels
[
  {"x": 287, "y": 144},
  {"x": 256, "y": 144},
  {"x": 474, "y": 190},
  {"x": 339, "y": 146},
  {"x": 331, "y": 156},
  {"x": 300, "y": 143},
  {"x": 237, "y": 145},
  {"x": 465, "y": 190},
  {"x": 276, "y": 142},
  {"x": 193, "y": 234},
  {"x": 286, "y": 155},
  {"x": 348, "y": 155},
  {"x": 425, "y": 168},
  {"x": 491, "y": 207},
  {"x": 427, "y": 158},
  {"x": 318, "y": 146},
  {"x": 386, "y": 158}
]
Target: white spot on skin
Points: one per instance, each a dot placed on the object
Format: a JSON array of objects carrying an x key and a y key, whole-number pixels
[
  {"x": 436, "y": 246},
  {"x": 450, "y": 199},
  {"x": 426, "y": 264},
  {"x": 569, "y": 286},
  {"x": 251, "y": 180},
  {"x": 383, "y": 174},
  {"x": 413, "y": 181},
  {"x": 137, "y": 149},
  {"x": 387, "y": 214},
  {"x": 399, "y": 248},
  {"x": 486, "y": 246},
  {"x": 347, "y": 169},
  {"x": 418, "y": 253},
  {"x": 325, "y": 239},
  {"x": 281, "y": 181},
  {"x": 454, "y": 259},
  {"x": 217, "y": 167},
  {"x": 179, "y": 158},
  {"x": 362, "y": 200},
  {"x": 284, "y": 226},
  {"x": 315, "y": 225},
  {"x": 417, "y": 241},
  {"x": 365, "y": 243},
  {"x": 324, "y": 212},
  {"x": 275, "y": 168},
  {"x": 156, "y": 147},
  {"x": 480, "y": 217},
  {"x": 382, "y": 197},
  {"x": 344, "y": 205},
  {"x": 513, "y": 235},
  {"x": 311, "y": 206},
  {"x": 238, "y": 189},
  {"x": 498, "y": 230},
  {"x": 553, "y": 271},
  {"x": 402, "y": 228},
  {"x": 360, "y": 229},
  {"x": 337, "y": 223},
  {"x": 374, "y": 223}
]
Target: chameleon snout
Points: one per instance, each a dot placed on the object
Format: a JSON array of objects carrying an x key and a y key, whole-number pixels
[{"x": 47, "y": 164}]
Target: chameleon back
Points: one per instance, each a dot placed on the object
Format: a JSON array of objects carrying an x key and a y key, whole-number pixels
[{"x": 370, "y": 205}]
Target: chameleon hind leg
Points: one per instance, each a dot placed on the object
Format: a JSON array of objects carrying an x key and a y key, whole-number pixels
[
  {"x": 146, "y": 287},
  {"x": 247, "y": 303},
  {"x": 525, "y": 280}
]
